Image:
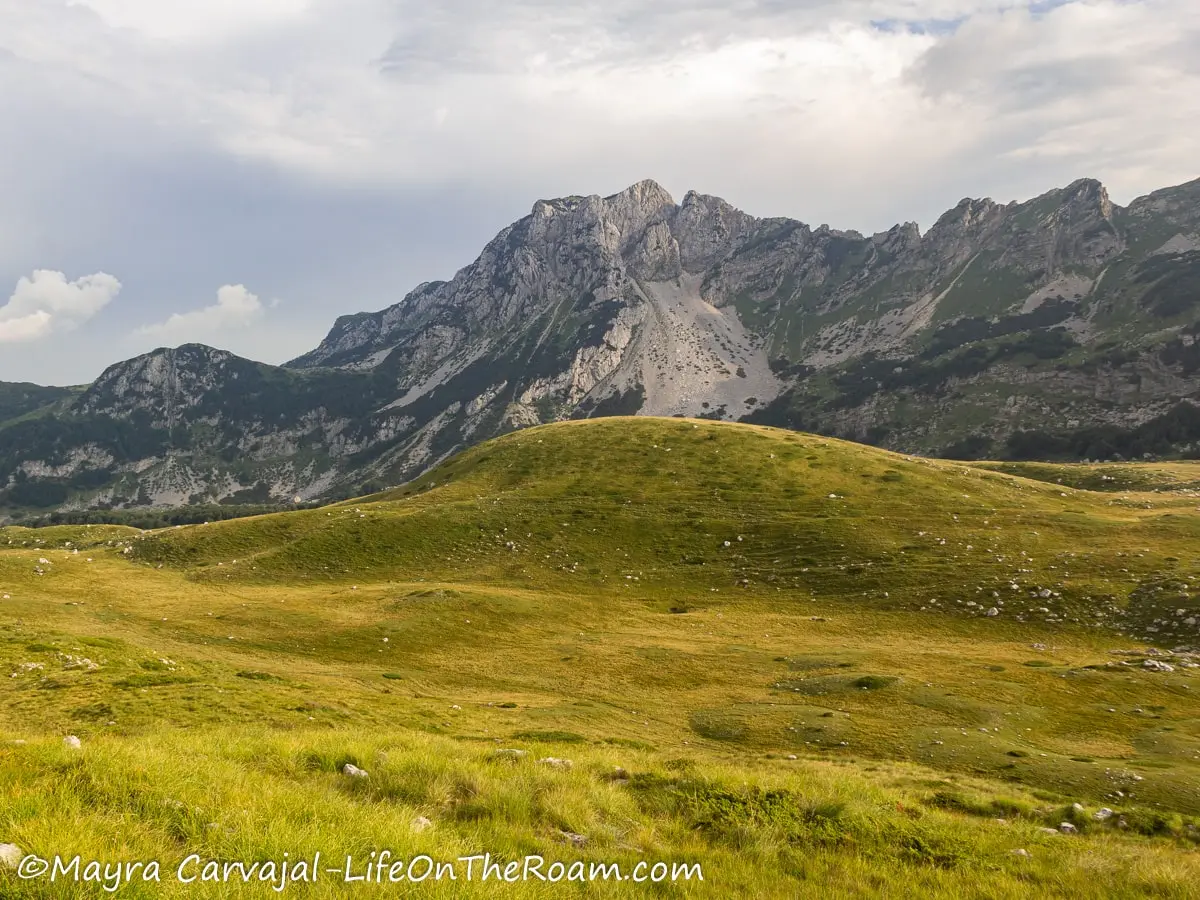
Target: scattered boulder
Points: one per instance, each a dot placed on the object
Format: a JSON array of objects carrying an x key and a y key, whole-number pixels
[
  {"x": 1020, "y": 851},
  {"x": 555, "y": 763},
  {"x": 1103, "y": 814},
  {"x": 576, "y": 840},
  {"x": 1049, "y": 831},
  {"x": 72, "y": 742},
  {"x": 1067, "y": 828},
  {"x": 509, "y": 753},
  {"x": 354, "y": 771},
  {"x": 10, "y": 856},
  {"x": 991, "y": 613},
  {"x": 1155, "y": 666}
]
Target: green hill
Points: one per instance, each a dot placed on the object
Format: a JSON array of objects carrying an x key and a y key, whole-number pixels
[{"x": 822, "y": 669}]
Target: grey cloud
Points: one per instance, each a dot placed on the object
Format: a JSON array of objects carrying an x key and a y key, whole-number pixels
[{"x": 336, "y": 159}]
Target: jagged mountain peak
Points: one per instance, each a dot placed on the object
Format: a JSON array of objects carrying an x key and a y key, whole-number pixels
[
  {"x": 1084, "y": 187},
  {"x": 647, "y": 193},
  {"x": 967, "y": 212},
  {"x": 166, "y": 375},
  {"x": 188, "y": 354}
]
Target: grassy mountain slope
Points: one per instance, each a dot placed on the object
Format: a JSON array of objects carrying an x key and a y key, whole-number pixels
[
  {"x": 693, "y": 602},
  {"x": 17, "y": 400}
]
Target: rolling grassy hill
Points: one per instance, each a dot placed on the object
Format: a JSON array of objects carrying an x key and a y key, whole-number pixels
[{"x": 818, "y": 668}]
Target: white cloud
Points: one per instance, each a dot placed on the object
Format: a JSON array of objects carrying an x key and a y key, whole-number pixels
[
  {"x": 235, "y": 308},
  {"x": 192, "y": 19},
  {"x": 46, "y": 302},
  {"x": 26, "y": 328},
  {"x": 786, "y": 104}
]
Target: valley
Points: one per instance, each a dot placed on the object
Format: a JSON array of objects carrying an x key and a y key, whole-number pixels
[{"x": 815, "y": 667}]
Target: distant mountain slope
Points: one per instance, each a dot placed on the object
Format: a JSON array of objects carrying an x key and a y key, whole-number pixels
[
  {"x": 18, "y": 400},
  {"x": 1064, "y": 327}
]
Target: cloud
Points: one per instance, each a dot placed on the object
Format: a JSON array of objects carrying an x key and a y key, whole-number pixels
[
  {"x": 191, "y": 19},
  {"x": 704, "y": 94},
  {"x": 45, "y": 303},
  {"x": 337, "y": 152},
  {"x": 235, "y": 308}
]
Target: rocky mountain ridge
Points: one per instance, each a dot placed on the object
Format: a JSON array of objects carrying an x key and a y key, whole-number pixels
[{"x": 1064, "y": 326}]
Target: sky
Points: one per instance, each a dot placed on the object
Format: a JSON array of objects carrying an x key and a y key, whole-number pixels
[{"x": 242, "y": 172}]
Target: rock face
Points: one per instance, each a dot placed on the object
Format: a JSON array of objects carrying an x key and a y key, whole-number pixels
[{"x": 1062, "y": 327}]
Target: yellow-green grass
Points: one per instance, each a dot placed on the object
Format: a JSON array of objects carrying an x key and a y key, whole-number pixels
[{"x": 568, "y": 591}]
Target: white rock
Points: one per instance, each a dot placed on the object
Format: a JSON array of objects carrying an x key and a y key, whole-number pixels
[
  {"x": 555, "y": 763},
  {"x": 1020, "y": 851},
  {"x": 353, "y": 771},
  {"x": 1103, "y": 814},
  {"x": 991, "y": 613},
  {"x": 10, "y": 856},
  {"x": 72, "y": 742},
  {"x": 1067, "y": 828}
]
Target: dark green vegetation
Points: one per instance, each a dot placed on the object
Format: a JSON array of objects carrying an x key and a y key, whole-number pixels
[
  {"x": 158, "y": 518},
  {"x": 781, "y": 640}
]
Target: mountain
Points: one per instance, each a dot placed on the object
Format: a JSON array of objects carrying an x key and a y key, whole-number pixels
[{"x": 1064, "y": 327}]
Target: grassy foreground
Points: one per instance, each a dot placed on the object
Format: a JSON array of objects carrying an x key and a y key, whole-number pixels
[{"x": 814, "y": 668}]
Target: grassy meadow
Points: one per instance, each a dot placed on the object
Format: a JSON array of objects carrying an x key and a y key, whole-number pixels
[{"x": 815, "y": 668}]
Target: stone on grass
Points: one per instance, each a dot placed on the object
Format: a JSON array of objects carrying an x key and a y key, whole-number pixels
[
  {"x": 353, "y": 771},
  {"x": 420, "y": 823},
  {"x": 72, "y": 742},
  {"x": 509, "y": 753},
  {"x": 1103, "y": 814},
  {"x": 577, "y": 840},
  {"x": 555, "y": 763},
  {"x": 10, "y": 856},
  {"x": 992, "y": 612},
  {"x": 1020, "y": 851},
  {"x": 1067, "y": 828}
]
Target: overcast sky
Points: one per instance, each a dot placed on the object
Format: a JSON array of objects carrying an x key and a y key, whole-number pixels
[{"x": 241, "y": 172}]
